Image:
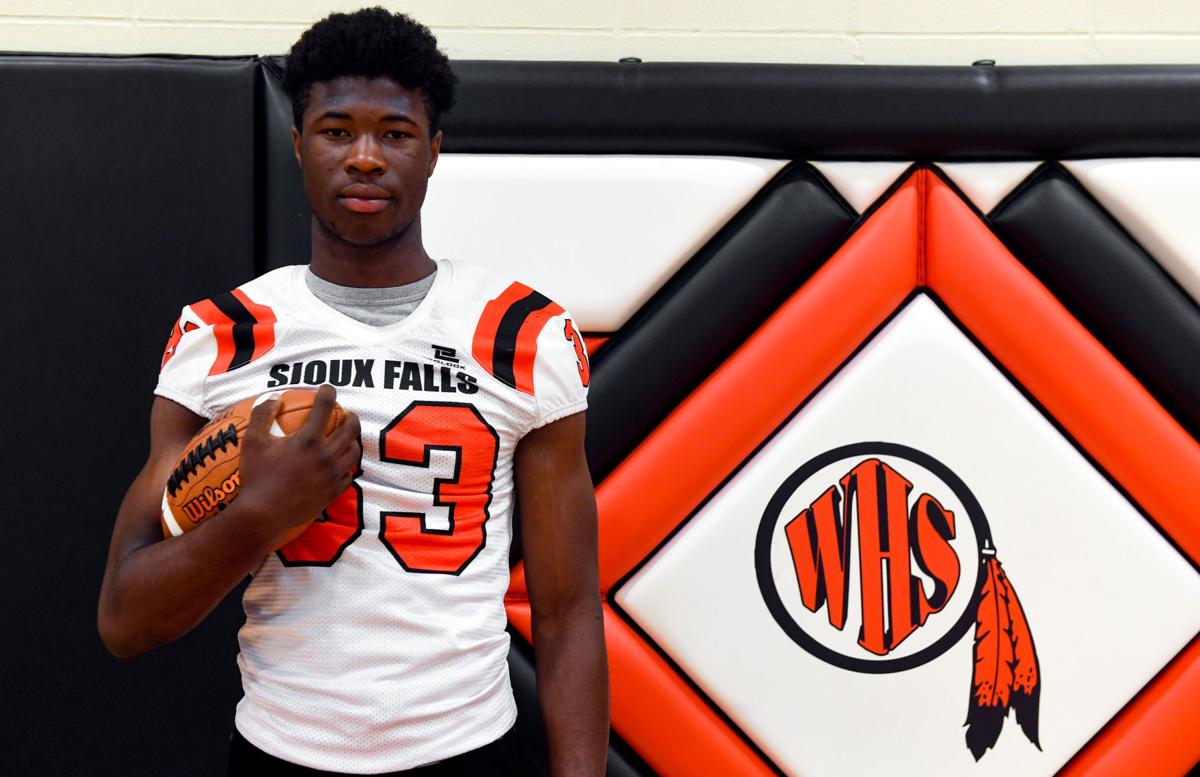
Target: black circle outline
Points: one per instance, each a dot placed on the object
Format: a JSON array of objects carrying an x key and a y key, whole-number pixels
[{"x": 766, "y": 578}]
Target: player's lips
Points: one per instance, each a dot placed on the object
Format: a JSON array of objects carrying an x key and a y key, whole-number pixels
[{"x": 364, "y": 198}]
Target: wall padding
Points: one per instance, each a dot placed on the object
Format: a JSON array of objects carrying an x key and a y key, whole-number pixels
[
  {"x": 1109, "y": 282},
  {"x": 1153, "y": 199},
  {"x": 129, "y": 192},
  {"x": 632, "y": 220},
  {"x": 726, "y": 290},
  {"x": 141, "y": 184}
]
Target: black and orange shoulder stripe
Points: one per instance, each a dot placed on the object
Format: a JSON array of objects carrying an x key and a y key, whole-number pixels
[
  {"x": 505, "y": 341},
  {"x": 244, "y": 329}
]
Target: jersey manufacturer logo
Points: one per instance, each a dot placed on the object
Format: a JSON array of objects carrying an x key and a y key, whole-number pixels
[
  {"x": 877, "y": 558},
  {"x": 446, "y": 356}
]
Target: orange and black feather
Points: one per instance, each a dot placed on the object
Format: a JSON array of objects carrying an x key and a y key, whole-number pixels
[
  {"x": 1027, "y": 675},
  {"x": 992, "y": 680}
]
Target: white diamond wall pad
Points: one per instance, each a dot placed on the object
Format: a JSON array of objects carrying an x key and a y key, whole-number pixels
[
  {"x": 861, "y": 183},
  {"x": 1156, "y": 200},
  {"x": 861, "y": 658},
  {"x": 986, "y": 183},
  {"x": 597, "y": 234}
]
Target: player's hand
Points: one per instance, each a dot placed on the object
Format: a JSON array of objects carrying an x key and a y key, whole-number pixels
[{"x": 288, "y": 481}]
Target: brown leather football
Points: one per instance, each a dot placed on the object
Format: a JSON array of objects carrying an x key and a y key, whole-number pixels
[{"x": 206, "y": 476}]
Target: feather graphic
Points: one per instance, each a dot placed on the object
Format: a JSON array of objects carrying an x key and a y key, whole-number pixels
[
  {"x": 1027, "y": 677},
  {"x": 992, "y": 681},
  {"x": 1007, "y": 674}
]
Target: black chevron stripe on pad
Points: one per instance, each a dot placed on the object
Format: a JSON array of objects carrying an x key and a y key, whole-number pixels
[
  {"x": 708, "y": 308},
  {"x": 1108, "y": 282}
]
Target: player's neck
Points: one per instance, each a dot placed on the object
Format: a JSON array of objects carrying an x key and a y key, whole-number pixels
[{"x": 395, "y": 262}]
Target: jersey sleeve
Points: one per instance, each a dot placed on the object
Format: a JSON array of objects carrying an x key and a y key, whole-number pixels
[
  {"x": 186, "y": 362},
  {"x": 561, "y": 371},
  {"x": 526, "y": 341}
]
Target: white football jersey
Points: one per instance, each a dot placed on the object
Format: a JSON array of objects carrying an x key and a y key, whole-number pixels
[{"x": 375, "y": 641}]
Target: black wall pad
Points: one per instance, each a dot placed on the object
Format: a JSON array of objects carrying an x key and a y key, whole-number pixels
[
  {"x": 284, "y": 224},
  {"x": 622, "y": 760},
  {"x": 708, "y": 308},
  {"x": 826, "y": 111},
  {"x": 128, "y": 194},
  {"x": 1110, "y": 284}
]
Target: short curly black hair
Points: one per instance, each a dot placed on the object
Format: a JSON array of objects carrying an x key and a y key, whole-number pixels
[{"x": 370, "y": 42}]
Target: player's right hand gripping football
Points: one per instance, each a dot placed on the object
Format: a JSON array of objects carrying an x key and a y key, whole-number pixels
[{"x": 288, "y": 481}]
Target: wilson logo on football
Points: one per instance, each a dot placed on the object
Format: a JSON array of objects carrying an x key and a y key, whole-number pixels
[
  {"x": 211, "y": 498},
  {"x": 876, "y": 557}
]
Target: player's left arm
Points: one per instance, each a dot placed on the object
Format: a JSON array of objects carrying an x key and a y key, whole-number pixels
[{"x": 558, "y": 519}]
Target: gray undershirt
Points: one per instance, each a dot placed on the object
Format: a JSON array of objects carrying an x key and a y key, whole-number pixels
[{"x": 376, "y": 307}]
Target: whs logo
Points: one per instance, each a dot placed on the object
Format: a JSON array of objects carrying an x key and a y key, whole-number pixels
[{"x": 877, "y": 558}]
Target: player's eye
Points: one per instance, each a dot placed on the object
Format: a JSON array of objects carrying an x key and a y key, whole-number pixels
[
  {"x": 335, "y": 132},
  {"x": 395, "y": 134}
]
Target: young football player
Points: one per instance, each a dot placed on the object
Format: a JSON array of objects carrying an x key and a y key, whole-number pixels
[{"x": 374, "y": 642}]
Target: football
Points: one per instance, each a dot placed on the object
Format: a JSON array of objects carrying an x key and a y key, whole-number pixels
[{"x": 206, "y": 478}]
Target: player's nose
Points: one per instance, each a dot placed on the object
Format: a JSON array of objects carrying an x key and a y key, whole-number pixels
[{"x": 365, "y": 156}]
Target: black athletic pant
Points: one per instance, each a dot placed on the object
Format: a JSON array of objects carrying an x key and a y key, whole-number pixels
[{"x": 506, "y": 757}]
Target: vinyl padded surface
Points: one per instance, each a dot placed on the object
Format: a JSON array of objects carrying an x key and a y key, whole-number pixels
[
  {"x": 921, "y": 383},
  {"x": 826, "y": 111},
  {"x": 861, "y": 183},
  {"x": 168, "y": 179},
  {"x": 285, "y": 216},
  {"x": 1155, "y": 199},
  {"x": 597, "y": 234},
  {"x": 702, "y": 314},
  {"x": 133, "y": 196},
  {"x": 987, "y": 183},
  {"x": 1110, "y": 284}
]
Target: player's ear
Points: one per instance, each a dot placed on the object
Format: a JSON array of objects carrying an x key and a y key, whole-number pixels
[
  {"x": 435, "y": 148},
  {"x": 296, "y": 143}
]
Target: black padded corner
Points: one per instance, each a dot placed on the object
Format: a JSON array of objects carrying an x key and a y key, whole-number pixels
[
  {"x": 826, "y": 111},
  {"x": 1110, "y": 284},
  {"x": 285, "y": 216},
  {"x": 622, "y": 760},
  {"x": 129, "y": 193},
  {"x": 705, "y": 311}
]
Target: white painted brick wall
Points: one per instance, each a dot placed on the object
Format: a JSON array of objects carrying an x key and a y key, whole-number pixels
[{"x": 953, "y": 32}]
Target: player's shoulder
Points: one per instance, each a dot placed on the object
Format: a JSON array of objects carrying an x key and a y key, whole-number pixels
[
  {"x": 274, "y": 286},
  {"x": 236, "y": 326},
  {"x": 471, "y": 283},
  {"x": 257, "y": 301},
  {"x": 516, "y": 333}
]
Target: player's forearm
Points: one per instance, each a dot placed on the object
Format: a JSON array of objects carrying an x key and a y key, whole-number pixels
[
  {"x": 572, "y": 673},
  {"x": 161, "y": 591}
]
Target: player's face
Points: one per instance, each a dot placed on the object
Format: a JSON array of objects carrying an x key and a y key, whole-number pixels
[{"x": 366, "y": 154}]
